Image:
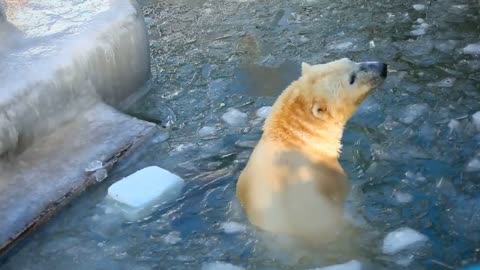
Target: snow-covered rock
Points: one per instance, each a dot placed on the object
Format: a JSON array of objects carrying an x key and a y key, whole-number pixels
[
  {"x": 351, "y": 265},
  {"x": 234, "y": 117},
  {"x": 402, "y": 239},
  {"x": 137, "y": 193}
]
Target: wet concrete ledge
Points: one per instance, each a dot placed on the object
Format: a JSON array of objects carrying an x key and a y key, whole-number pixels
[{"x": 59, "y": 70}]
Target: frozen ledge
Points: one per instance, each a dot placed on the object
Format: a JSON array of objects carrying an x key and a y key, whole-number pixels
[
  {"x": 64, "y": 57},
  {"x": 50, "y": 173},
  {"x": 61, "y": 63}
]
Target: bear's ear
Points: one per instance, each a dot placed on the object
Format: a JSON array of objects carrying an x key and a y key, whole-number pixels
[
  {"x": 305, "y": 68},
  {"x": 319, "y": 109}
]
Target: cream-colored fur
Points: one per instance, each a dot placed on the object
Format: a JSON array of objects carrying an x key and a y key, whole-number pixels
[{"x": 293, "y": 183}]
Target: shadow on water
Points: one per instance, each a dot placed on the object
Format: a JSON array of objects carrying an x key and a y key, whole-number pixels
[{"x": 255, "y": 80}]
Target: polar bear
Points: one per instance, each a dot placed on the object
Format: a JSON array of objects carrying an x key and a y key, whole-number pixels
[{"x": 293, "y": 183}]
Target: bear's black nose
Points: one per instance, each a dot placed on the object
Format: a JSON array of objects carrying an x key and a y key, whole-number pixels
[{"x": 375, "y": 67}]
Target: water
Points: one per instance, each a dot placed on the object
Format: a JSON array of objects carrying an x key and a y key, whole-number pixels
[{"x": 210, "y": 56}]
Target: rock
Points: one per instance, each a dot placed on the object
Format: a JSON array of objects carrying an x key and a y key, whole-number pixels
[
  {"x": 234, "y": 117},
  {"x": 445, "y": 83},
  {"x": 137, "y": 193},
  {"x": 351, "y": 265},
  {"x": 402, "y": 239}
]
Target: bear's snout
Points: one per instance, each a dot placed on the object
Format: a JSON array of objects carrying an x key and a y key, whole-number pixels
[{"x": 375, "y": 67}]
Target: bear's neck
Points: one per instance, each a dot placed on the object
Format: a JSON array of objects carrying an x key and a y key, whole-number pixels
[{"x": 294, "y": 127}]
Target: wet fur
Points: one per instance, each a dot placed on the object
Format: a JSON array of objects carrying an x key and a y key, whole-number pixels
[{"x": 293, "y": 183}]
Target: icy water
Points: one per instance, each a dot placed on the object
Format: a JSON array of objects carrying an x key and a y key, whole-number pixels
[{"x": 411, "y": 151}]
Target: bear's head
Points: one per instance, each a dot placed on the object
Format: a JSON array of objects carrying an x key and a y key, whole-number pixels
[
  {"x": 337, "y": 88},
  {"x": 312, "y": 111}
]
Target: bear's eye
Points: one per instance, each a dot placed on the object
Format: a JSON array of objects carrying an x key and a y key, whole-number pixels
[{"x": 353, "y": 77}]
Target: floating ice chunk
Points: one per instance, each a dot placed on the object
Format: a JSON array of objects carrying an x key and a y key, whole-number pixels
[
  {"x": 351, "y": 265},
  {"x": 136, "y": 194},
  {"x": 419, "y": 7},
  {"x": 234, "y": 117},
  {"x": 246, "y": 144},
  {"x": 341, "y": 46},
  {"x": 420, "y": 21},
  {"x": 172, "y": 238},
  {"x": 220, "y": 266},
  {"x": 476, "y": 120},
  {"x": 446, "y": 46},
  {"x": 182, "y": 147},
  {"x": 263, "y": 112},
  {"x": 424, "y": 25},
  {"x": 304, "y": 39},
  {"x": 473, "y": 165},
  {"x": 472, "y": 49},
  {"x": 402, "y": 239},
  {"x": 402, "y": 197},
  {"x": 418, "y": 32},
  {"x": 94, "y": 165},
  {"x": 405, "y": 261},
  {"x": 100, "y": 175},
  {"x": 412, "y": 112},
  {"x": 415, "y": 176},
  {"x": 453, "y": 125},
  {"x": 233, "y": 227},
  {"x": 206, "y": 131}
]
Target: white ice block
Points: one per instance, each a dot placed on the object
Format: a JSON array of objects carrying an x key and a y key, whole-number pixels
[
  {"x": 351, "y": 265},
  {"x": 137, "y": 193},
  {"x": 401, "y": 239}
]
